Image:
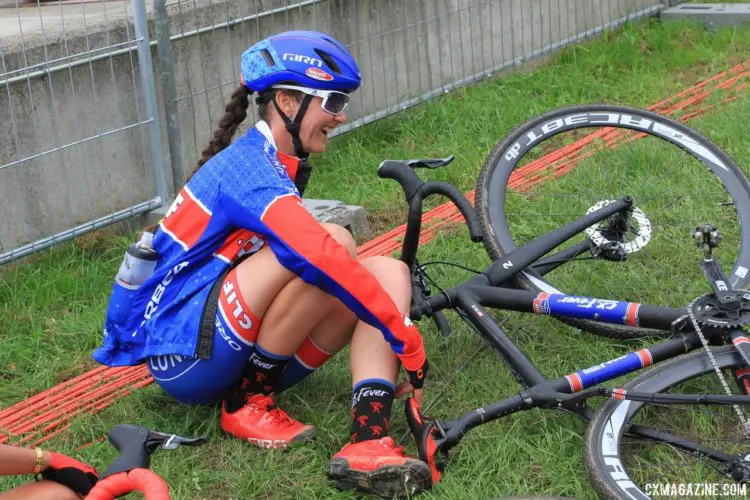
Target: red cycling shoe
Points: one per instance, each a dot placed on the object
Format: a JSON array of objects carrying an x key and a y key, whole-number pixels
[
  {"x": 262, "y": 424},
  {"x": 380, "y": 467}
]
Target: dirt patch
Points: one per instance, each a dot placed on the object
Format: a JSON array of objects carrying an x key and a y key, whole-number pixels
[
  {"x": 8, "y": 372},
  {"x": 382, "y": 221}
]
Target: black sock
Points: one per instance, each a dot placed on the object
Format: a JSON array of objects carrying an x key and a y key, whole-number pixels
[
  {"x": 371, "y": 409},
  {"x": 261, "y": 376}
]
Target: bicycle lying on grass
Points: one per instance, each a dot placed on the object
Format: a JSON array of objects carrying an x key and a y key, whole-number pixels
[{"x": 689, "y": 406}]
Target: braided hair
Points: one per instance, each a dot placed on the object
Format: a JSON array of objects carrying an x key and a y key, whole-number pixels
[{"x": 235, "y": 113}]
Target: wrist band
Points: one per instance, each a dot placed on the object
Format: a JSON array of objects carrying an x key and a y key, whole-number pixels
[{"x": 38, "y": 463}]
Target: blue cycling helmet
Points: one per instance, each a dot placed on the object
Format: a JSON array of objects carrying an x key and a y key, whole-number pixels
[{"x": 306, "y": 58}]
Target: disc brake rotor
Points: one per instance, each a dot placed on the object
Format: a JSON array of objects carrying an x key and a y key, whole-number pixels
[{"x": 636, "y": 237}]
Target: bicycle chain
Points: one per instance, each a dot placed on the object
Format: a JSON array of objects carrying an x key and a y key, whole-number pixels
[{"x": 740, "y": 414}]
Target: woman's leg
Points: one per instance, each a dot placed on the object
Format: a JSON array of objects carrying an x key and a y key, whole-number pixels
[
  {"x": 371, "y": 356},
  {"x": 258, "y": 289},
  {"x": 372, "y": 462},
  {"x": 331, "y": 334},
  {"x": 289, "y": 316},
  {"x": 296, "y": 311},
  {"x": 374, "y": 365}
]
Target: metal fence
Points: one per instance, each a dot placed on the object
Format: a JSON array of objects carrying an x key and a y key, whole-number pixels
[
  {"x": 80, "y": 145},
  {"x": 85, "y": 144}
]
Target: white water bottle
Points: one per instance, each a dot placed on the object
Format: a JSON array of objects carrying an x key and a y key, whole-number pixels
[
  {"x": 137, "y": 266},
  {"x": 139, "y": 263}
]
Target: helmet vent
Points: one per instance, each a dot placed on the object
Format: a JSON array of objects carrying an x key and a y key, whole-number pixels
[
  {"x": 268, "y": 58},
  {"x": 328, "y": 60},
  {"x": 335, "y": 43}
]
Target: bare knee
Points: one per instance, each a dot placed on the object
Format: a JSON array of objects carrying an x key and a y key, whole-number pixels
[
  {"x": 393, "y": 275},
  {"x": 342, "y": 236},
  {"x": 392, "y": 269}
]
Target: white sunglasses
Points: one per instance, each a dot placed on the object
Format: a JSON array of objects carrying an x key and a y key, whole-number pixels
[{"x": 334, "y": 102}]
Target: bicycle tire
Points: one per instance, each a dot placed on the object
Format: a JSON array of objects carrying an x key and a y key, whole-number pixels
[
  {"x": 607, "y": 474},
  {"x": 506, "y": 157}
]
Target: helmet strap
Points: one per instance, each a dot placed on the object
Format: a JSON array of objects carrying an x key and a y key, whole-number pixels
[
  {"x": 303, "y": 169},
  {"x": 293, "y": 126}
]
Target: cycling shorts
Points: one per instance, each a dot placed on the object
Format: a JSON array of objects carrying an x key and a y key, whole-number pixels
[{"x": 205, "y": 381}]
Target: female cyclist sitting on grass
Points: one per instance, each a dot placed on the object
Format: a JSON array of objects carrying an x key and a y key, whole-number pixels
[{"x": 250, "y": 294}]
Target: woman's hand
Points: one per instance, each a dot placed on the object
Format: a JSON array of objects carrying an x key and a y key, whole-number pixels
[
  {"x": 76, "y": 475},
  {"x": 405, "y": 388},
  {"x": 66, "y": 477},
  {"x": 414, "y": 384}
]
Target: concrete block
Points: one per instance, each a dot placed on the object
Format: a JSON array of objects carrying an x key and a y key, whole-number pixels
[
  {"x": 353, "y": 218},
  {"x": 149, "y": 218},
  {"x": 714, "y": 15}
]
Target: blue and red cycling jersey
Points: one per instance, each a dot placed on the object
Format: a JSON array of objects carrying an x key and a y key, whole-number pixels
[{"x": 242, "y": 198}]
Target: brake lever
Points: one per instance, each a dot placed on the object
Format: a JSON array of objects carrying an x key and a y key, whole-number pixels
[
  {"x": 431, "y": 163},
  {"x": 420, "y": 289},
  {"x": 424, "y": 431},
  {"x": 164, "y": 441},
  {"x": 420, "y": 292},
  {"x": 135, "y": 444}
]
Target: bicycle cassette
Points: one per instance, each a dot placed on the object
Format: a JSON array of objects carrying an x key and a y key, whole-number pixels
[{"x": 710, "y": 313}]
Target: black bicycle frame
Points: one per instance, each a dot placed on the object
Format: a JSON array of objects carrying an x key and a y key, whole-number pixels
[
  {"x": 541, "y": 392},
  {"x": 470, "y": 299}
]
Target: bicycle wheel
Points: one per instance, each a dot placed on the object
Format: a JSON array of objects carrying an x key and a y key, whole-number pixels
[
  {"x": 557, "y": 167},
  {"x": 621, "y": 465}
]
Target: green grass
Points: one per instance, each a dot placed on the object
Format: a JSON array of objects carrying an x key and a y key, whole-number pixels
[{"x": 52, "y": 305}]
